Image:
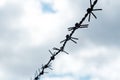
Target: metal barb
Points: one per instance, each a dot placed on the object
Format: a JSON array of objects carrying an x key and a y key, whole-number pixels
[
  {"x": 53, "y": 55},
  {"x": 68, "y": 37},
  {"x": 91, "y": 9},
  {"x": 61, "y": 49},
  {"x": 47, "y": 66},
  {"x": 36, "y": 78},
  {"x": 77, "y": 26}
]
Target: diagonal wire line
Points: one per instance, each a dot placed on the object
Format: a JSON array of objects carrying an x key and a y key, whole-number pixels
[{"x": 69, "y": 37}]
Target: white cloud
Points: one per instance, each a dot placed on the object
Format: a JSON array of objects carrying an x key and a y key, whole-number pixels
[
  {"x": 40, "y": 26},
  {"x": 58, "y": 78},
  {"x": 2, "y": 3},
  {"x": 35, "y": 27},
  {"x": 98, "y": 62}
]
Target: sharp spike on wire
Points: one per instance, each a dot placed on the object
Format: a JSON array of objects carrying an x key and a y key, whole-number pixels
[
  {"x": 94, "y": 15},
  {"x": 50, "y": 52},
  {"x": 89, "y": 17},
  {"x": 73, "y": 41},
  {"x": 60, "y": 50},
  {"x": 53, "y": 55},
  {"x": 65, "y": 52},
  {"x": 55, "y": 48},
  {"x": 90, "y": 3},
  {"x": 95, "y": 2},
  {"x": 84, "y": 26},
  {"x": 70, "y": 28},
  {"x": 97, "y": 9},
  {"x": 74, "y": 38},
  {"x": 62, "y": 41}
]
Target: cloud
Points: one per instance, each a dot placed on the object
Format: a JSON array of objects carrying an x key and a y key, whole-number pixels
[
  {"x": 24, "y": 29},
  {"x": 26, "y": 34},
  {"x": 106, "y": 29},
  {"x": 97, "y": 62},
  {"x": 2, "y": 3},
  {"x": 63, "y": 78}
]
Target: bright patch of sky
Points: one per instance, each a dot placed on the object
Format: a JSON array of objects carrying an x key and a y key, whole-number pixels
[
  {"x": 47, "y": 7},
  {"x": 85, "y": 78}
]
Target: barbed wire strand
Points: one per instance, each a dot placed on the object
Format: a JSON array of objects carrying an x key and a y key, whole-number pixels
[{"x": 69, "y": 37}]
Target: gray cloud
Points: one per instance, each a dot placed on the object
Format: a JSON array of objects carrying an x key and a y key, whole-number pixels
[
  {"x": 8, "y": 14},
  {"x": 8, "y": 36},
  {"x": 104, "y": 30}
]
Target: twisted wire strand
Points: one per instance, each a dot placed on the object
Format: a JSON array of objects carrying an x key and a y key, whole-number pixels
[{"x": 68, "y": 38}]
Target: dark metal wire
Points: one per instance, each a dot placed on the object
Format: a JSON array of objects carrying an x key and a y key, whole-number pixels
[{"x": 68, "y": 38}]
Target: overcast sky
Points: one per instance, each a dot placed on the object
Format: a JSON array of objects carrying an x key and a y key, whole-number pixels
[{"x": 29, "y": 28}]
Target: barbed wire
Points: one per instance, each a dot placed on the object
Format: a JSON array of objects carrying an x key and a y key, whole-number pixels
[{"x": 69, "y": 37}]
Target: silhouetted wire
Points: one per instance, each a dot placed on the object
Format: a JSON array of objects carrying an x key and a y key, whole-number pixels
[{"x": 69, "y": 37}]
